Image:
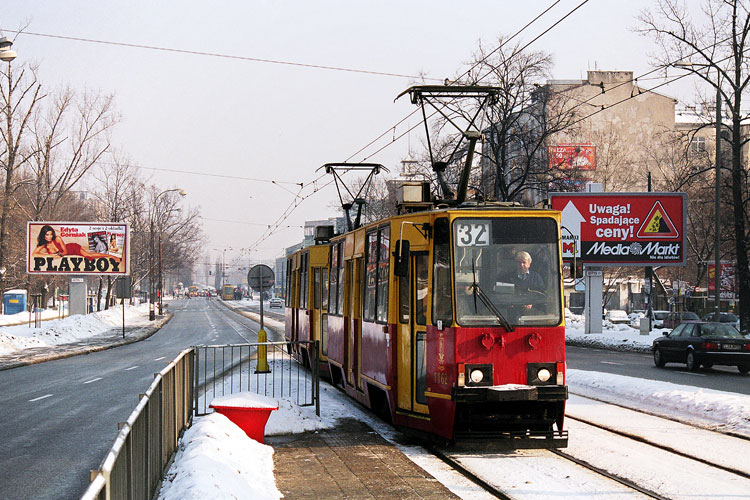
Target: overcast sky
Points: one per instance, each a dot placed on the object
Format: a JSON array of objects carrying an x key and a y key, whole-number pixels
[{"x": 239, "y": 119}]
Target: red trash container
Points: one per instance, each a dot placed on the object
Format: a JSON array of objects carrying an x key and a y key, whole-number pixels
[{"x": 249, "y": 411}]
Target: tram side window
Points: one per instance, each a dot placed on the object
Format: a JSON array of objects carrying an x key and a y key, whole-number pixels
[
  {"x": 333, "y": 288},
  {"x": 324, "y": 293},
  {"x": 383, "y": 256},
  {"x": 422, "y": 291},
  {"x": 316, "y": 288},
  {"x": 403, "y": 299},
  {"x": 288, "y": 298},
  {"x": 303, "y": 291},
  {"x": 442, "y": 303},
  {"x": 340, "y": 302},
  {"x": 371, "y": 277}
]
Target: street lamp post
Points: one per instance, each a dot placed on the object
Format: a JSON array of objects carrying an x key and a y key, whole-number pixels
[
  {"x": 151, "y": 312},
  {"x": 717, "y": 191},
  {"x": 6, "y": 55}
]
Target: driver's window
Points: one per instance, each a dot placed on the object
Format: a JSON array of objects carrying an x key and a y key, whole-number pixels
[
  {"x": 677, "y": 331},
  {"x": 687, "y": 330}
]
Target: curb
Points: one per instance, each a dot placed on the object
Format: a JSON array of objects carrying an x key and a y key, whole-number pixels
[{"x": 71, "y": 350}]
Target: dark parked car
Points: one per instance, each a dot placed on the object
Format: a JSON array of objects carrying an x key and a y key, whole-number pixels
[
  {"x": 675, "y": 318},
  {"x": 700, "y": 343},
  {"x": 728, "y": 318}
]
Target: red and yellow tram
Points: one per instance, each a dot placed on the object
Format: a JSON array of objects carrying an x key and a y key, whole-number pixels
[{"x": 426, "y": 318}]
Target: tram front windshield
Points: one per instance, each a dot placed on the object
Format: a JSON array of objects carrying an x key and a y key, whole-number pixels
[{"x": 506, "y": 270}]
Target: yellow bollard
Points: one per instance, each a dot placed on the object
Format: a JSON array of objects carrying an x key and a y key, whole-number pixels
[{"x": 262, "y": 354}]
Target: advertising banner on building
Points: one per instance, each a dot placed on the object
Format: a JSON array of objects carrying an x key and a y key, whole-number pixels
[
  {"x": 572, "y": 156},
  {"x": 623, "y": 229},
  {"x": 77, "y": 248},
  {"x": 726, "y": 280}
]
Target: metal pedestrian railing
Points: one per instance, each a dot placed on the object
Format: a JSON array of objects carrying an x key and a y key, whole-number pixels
[
  {"x": 228, "y": 369},
  {"x": 134, "y": 466}
]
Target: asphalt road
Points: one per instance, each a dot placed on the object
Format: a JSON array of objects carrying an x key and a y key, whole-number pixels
[
  {"x": 631, "y": 364},
  {"x": 58, "y": 419}
]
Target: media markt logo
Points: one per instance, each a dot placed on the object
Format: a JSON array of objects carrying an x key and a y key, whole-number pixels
[{"x": 652, "y": 250}]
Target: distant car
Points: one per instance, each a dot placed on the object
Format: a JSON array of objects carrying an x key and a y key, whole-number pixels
[
  {"x": 276, "y": 302},
  {"x": 657, "y": 318},
  {"x": 675, "y": 318},
  {"x": 617, "y": 316},
  {"x": 700, "y": 343},
  {"x": 724, "y": 317}
]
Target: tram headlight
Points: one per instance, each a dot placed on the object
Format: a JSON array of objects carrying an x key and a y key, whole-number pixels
[
  {"x": 541, "y": 373},
  {"x": 478, "y": 375}
]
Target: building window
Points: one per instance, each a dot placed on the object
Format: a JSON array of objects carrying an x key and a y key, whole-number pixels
[{"x": 698, "y": 145}]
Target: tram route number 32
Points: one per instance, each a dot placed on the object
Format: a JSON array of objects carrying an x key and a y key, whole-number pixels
[{"x": 473, "y": 234}]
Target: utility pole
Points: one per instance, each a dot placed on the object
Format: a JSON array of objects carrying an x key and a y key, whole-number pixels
[{"x": 717, "y": 217}]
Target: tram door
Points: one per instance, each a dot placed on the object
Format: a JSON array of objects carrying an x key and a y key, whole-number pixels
[
  {"x": 353, "y": 337},
  {"x": 414, "y": 301}
]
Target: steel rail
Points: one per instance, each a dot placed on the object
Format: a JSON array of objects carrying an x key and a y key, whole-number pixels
[
  {"x": 609, "y": 475},
  {"x": 467, "y": 473}
]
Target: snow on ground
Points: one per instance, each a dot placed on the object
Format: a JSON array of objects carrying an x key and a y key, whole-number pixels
[
  {"x": 217, "y": 460},
  {"x": 71, "y": 329},
  {"x": 702, "y": 407}
]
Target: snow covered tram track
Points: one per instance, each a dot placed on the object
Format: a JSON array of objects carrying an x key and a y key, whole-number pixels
[
  {"x": 669, "y": 449},
  {"x": 536, "y": 474},
  {"x": 623, "y": 481},
  {"x": 474, "y": 478}
]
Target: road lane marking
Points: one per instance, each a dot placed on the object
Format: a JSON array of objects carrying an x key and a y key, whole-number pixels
[
  {"x": 131, "y": 368},
  {"x": 40, "y": 397},
  {"x": 159, "y": 359},
  {"x": 693, "y": 374},
  {"x": 93, "y": 380},
  {"x": 610, "y": 363}
]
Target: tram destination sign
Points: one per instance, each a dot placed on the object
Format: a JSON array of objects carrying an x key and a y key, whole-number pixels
[{"x": 623, "y": 229}]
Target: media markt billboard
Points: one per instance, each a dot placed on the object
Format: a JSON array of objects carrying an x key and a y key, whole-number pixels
[
  {"x": 77, "y": 248},
  {"x": 623, "y": 229}
]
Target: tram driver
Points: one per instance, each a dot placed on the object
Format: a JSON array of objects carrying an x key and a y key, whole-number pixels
[{"x": 525, "y": 280}]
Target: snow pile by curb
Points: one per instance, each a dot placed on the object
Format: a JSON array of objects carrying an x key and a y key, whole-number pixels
[{"x": 215, "y": 459}]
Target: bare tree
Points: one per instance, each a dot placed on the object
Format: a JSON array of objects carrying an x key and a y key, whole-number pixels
[
  {"x": 525, "y": 116},
  {"x": 70, "y": 137},
  {"x": 19, "y": 97},
  {"x": 716, "y": 51}
]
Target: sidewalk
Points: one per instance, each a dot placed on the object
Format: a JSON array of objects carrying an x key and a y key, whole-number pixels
[{"x": 350, "y": 461}]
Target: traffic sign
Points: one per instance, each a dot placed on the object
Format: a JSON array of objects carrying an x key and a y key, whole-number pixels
[{"x": 260, "y": 278}]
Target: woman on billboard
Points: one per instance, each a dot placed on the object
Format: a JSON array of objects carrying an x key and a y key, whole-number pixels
[{"x": 48, "y": 243}]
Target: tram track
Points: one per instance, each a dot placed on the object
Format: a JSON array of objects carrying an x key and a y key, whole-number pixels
[
  {"x": 662, "y": 447},
  {"x": 473, "y": 464},
  {"x": 498, "y": 493},
  {"x": 614, "y": 477}
]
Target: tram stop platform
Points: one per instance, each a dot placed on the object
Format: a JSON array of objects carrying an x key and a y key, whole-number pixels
[{"x": 350, "y": 461}]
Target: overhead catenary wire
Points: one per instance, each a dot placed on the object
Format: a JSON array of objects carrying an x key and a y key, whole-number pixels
[
  {"x": 220, "y": 55},
  {"x": 296, "y": 203}
]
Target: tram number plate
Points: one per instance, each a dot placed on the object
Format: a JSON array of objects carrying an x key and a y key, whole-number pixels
[
  {"x": 731, "y": 347},
  {"x": 473, "y": 234}
]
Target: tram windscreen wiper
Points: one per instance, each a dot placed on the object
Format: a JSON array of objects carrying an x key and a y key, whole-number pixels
[{"x": 478, "y": 292}]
